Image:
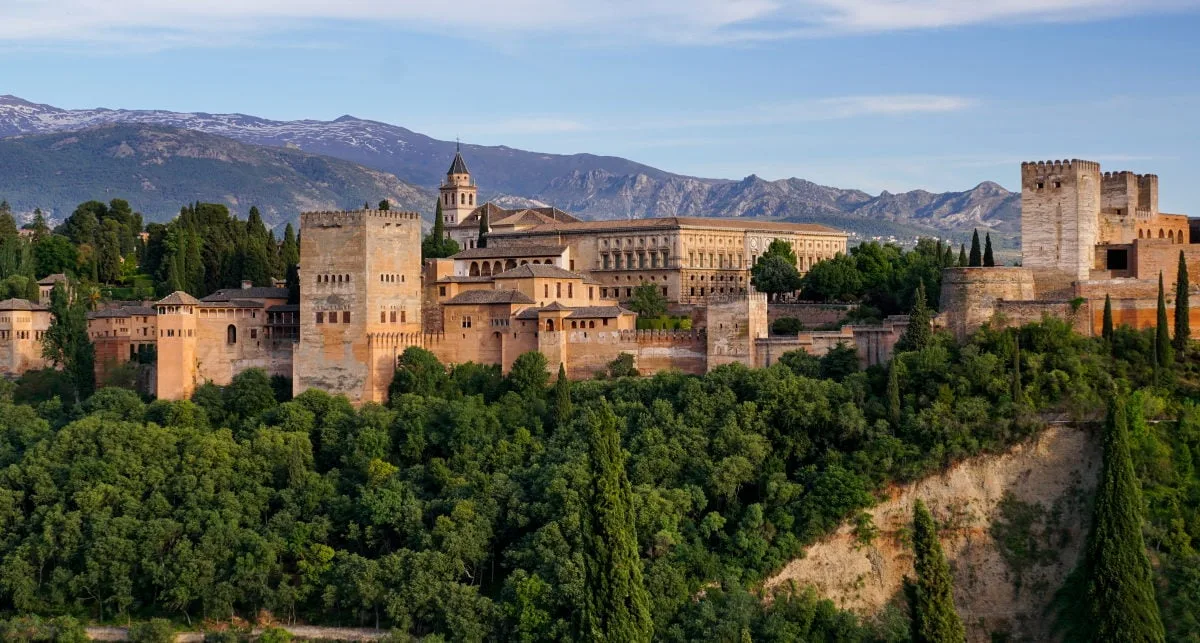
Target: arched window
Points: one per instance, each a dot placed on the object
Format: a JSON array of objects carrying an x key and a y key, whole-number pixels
[
  {"x": 470, "y": 199},
  {"x": 496, "y": 269},
  {"x": 231, "y": 334},
  {"x": 487, "y": 269},
  {"x": 1140, "y": 234},
  {"x": 474, "y": 271},
  {"x": 550, "y": 324},
  {"x": 1160, "y": 233},
  {"x": 1171, "y": 235},
  {"x": 462, "y": 199}
]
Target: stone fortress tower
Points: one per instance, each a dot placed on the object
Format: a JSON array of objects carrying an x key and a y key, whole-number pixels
[
  {"x": 360, "y": 300},
  {"x": 458, "y": 192},
  {"x": 1060, "y": 207}
]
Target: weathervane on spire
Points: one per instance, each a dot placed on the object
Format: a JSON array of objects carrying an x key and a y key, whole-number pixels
[{"x": 457, "y": 145}]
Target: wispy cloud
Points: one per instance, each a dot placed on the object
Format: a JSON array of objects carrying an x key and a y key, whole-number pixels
[
  {"x": 778, "y": 113},
  {"x": 698, "y": 22}
]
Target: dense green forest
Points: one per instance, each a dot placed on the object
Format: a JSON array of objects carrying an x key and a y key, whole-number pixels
[{"x": 478, "y": 506}]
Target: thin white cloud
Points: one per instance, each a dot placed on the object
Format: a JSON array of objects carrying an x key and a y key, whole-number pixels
[
  {"x": 195, "y": 22},
  {"x": 780, "y": 113}
]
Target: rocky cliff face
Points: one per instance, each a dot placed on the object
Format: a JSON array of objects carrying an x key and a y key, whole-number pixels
[{"x": 1012, "y": 527}]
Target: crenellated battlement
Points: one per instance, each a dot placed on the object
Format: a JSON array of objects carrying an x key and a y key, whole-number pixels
[
  {"x": 1058, "y": 167},
  {"x": 336, "y": 218}
]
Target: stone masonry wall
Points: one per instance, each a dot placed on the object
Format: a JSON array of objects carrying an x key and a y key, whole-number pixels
[
  {"x": 1060, "y": 208},
  {"x": 969, "y": 295}
]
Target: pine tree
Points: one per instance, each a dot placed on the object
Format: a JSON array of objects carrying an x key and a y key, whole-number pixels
[
  {"x": 483, "y": 229},
  {"x": 1106, "y": 329},
  {"x": 989, "y": 260},
  {"x": 893, "y": 393},
  {"x": 976, "y": 258},
  {"x": 1183, "y": 325},
  {"x": 962, "y": 255},
  {"x": 562, "y": 399},
  {"x": 934, "y": 619},
  {"x": 1117, "y": 601},
  {"x": 1162, "y": 338},
  {"x": 919, "y": 332},
  {"x": 616, "y": 606}
]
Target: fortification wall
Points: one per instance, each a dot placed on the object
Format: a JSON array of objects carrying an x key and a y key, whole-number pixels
[
  {"x": 664, "y": 350},
  {"x": 732, "y": 326},
  {"x": 1011, "y": 314},
  {"x": 969, "y": 295},
  {"x": 809, "y": 314}
]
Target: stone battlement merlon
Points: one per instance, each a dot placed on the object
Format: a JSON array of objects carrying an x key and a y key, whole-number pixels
[
  {"x": 327, "y": 218},
  {"x": 1127, "y": 173},
  {"x": 1058, "y": 166}
]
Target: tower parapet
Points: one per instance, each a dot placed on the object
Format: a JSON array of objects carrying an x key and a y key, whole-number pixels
[{"x": 1060, "y": 211}]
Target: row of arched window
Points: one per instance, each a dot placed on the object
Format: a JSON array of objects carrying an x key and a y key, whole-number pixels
[
  {"x": 464, "y": 198},
  {"x": 489, "y": 268},
  {"x": 333, "y": 279},
  {"x": 391, "y": 278},
  {"x": 1162, "y": 234}
]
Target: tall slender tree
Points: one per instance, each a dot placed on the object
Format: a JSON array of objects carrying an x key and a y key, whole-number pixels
[
  {"x": 962, "y": 255},
  {"x": 1162, "y": 338},
  {"x": 66, "y": 343},
  {"x": 562, "y": 398},
  {"x": 484, "y": 229},
  {"x": 615, "y": 606},
  {"x": 437, "y": 245},
  {"x": 1106, "y": 328},
  {"x": 976, "y": 258},
  {"x": 1113, "y": 587},
  {"x": 919, "y": 332},
  {"x": 934, "y": 619},
  {"x": 989, "y": 259},
  {"x": 1183, "y": 325},
  {"x": 893, "y": 393},
  {"x": 1018, "y": 390}
]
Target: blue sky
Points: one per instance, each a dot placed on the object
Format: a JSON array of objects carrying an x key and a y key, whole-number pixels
[{"x": 871, "y": 94}]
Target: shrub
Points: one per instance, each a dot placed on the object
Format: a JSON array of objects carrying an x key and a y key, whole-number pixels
[
  {"x": 156, "y": 630},
  {"x": 786, "y": 326},
  {"x": 274, "y": 635}
]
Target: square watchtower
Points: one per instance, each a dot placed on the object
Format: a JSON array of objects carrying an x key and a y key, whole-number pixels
[{"x": 1060, "y": 214}]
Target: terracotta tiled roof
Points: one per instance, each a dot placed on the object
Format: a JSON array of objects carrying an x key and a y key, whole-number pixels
[
  {"x": 20, "y": 304},
  {"x": 515, "y": 250},
  {"x": 284, "y": 308},
  {"x": 232, "y": 303},
  {"x": 50, "y": 280},
  {"x": 490, "y": 297},
  {"x": 599, "y": 311},
  {"x": 530, "y": 270},
  {"x": 257, "y": 292},
  {"x": 178, "y": 298}
]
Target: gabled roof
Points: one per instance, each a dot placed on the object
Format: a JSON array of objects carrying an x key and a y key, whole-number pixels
[
  {"x": 459, "y": 166},
  {"x": 490, "y": 297},
  {"x": 178, "y": 298},
  {"x": 542, "y": 270},
  {"x": 599, "y": 312},
  {"x": 502, "y": 252},
  {"x": 50, "y": 280},
  {"x": 20, "y": 304},
  {"x": 499, "y": 217},
  {"x": 555, "y": 306},
  {"x": 122, "y": 312},
  {"x": 257, "y": 292}
]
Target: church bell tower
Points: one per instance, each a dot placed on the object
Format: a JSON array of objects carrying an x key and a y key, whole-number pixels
[{"x": 458, "y": 191}]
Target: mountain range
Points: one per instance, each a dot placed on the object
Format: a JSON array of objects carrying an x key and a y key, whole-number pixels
[{"x": 301, "y": 164}]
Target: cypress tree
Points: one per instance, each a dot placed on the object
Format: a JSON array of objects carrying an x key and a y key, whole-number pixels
[
  {"x": 976, "y": 258},
  {"x": 289, "y": 252},
  {"x": 439, "y": 223},
  {"x": 1162, "y": 339},
  {"x": 1118, "y": 602},
  {"x": 988, "y": 259},
  {"x": 1018, "y": 391},
  {"x": 948, "y": 256},
  {"x": 934, "y": 619},
  {"x": 562, "y": 398},
  {"x": 1106, "y": 329},
  {"x": 483, "y": 229},
  {"x": 919, "y": 332},
  {"x": 1183, "y": 326},
  {"x": 893, "y": 393},
  {"x": 962, "y": 255},
  {"x": 616, "y": 606}
]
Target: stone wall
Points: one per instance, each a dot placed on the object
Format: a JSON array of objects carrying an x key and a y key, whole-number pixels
[
  {"x": 969, "y": 295},
  {"x": 809, "y": 314},
  {"x": 664, "y": 350}
]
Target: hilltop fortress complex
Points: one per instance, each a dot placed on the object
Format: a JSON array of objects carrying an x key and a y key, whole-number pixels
[
  {"x": 544, "y": 281},
  {"x": 1085, "y": 235}
]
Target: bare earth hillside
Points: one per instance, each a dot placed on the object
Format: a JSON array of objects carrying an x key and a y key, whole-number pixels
[{"x": 1013, "y": 526}]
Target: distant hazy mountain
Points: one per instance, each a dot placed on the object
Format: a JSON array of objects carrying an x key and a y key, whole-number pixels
[
  {"x": 158, "y": 169},
  {"x": 594, "y": 186}
]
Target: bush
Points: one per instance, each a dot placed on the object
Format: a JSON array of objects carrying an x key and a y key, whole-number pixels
[
  {"x": 274, "y": 635},
  {"x": 786, "y": 326},
  {"x": 68, "y": 629},
  {"x": 225, "y": 636},
  {"x": 156, "y": 630}
]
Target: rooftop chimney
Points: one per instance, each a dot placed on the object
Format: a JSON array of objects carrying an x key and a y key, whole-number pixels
[{"x": 247, "y": 284}]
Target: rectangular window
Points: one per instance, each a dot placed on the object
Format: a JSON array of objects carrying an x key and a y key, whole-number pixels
[
  {"x": 345, "y": 317},
  {"x": 320, "y": 318},
  {"x": 442, "y": 291},
  {"x": 570, "y": 290},
  {"x": 558, "y": 290},
  {"x": 253, "y": 333},
  {"x": 546, "y": 290},
  {"x": 393, "y": 316},
  {"x": 572, "y": 264},
  {"x": 383, "y": 316},
  {"x": 590, "y": 291},
  {"x": 402, "y": 316}
]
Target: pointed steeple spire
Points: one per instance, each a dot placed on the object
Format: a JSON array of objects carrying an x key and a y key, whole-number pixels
[{"x": 459, "y": 166}]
